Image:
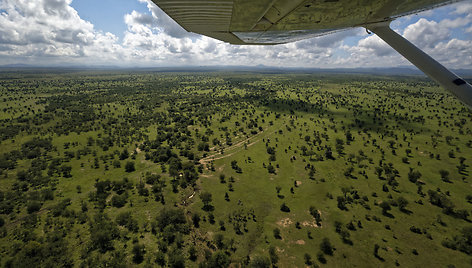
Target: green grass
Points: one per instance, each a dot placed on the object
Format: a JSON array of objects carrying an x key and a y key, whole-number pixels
[{"x": 135, "y": 109}]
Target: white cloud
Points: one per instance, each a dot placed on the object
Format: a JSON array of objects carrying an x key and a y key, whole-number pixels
[
  {"x": 44, "y": 29},
  {"x": 51, "y": 31},
  {"x": 167, "y": 24},
  {"x": 426, "y": 34},
  {"x": 463, "y": 8}
]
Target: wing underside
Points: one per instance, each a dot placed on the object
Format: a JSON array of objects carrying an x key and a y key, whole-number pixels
[{"x": 283, "y": 21}]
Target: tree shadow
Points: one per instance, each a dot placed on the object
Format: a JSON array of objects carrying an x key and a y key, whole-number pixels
[
  {"x": 208, "y": 208},
  {"x": 388, "y": 214},
  {"x": 406, "y": 211}
]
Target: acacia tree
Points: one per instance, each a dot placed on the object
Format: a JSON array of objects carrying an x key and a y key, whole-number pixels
[
  {"x": 129, "y": 167},
  {"x": 402, "y": 203},
  {"x": 444, "y": 175},
  {"x": 385, "y": 207},
  {"x": 326, "y": 247},
  {"x": 206, "y": 199}
]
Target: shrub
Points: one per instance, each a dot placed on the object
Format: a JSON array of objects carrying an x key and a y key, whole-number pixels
[
  {"x": 129, "y": 167},
  {"x": 284, "y": 208}
]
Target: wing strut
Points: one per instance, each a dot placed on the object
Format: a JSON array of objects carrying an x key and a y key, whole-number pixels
[{"x": 459, "y": 87}]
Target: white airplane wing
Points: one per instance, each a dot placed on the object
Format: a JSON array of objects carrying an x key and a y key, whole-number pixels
[{"x": 263, "y": 22}]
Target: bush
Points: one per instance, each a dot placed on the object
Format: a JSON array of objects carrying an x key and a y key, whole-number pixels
[
  {"x": 127, "y": 220},
  {"x": 129, "y": 167},
  {"x": 119, "y": 201},
  {"x": 461, "y": 242},
  {"x": 273, "y": 255},
  {"x": 259, "y": 262},
  {"x": 321, "y": 258},
  {"x": 138, "y": 253},
  {"x": 307, "y": 258},
  {"x": 284, "y": 208},
  {"x": 277, "y": 233},
  {"x": 326, "y": 247},
  {"x": 33, "y": 206}
]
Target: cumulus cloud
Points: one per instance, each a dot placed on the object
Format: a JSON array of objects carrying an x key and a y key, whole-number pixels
[
  {"x": 426, "y": 33},
  {"x": 167, "y": 24},
  {"x": 433, "y": 37},
  {"x": 51, "y": 31},
  {"x": 44, "y": 29}
]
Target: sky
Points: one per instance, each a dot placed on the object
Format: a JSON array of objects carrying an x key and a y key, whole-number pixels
[{"x": 136, "y": 33}]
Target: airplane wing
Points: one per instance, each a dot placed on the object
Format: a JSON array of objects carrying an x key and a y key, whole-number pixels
[
  {"x": 283, "y": 21},
  {"x": 263, "y": 22}
]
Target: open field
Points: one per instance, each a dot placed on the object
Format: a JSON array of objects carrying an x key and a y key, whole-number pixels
[{"x": 232, "y": 169}]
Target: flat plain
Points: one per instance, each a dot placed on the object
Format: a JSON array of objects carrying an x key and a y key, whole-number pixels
[{"x": 121, "y": 168}]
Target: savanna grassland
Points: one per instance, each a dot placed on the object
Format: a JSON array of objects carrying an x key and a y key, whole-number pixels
[{"x": 148, "y": 169}]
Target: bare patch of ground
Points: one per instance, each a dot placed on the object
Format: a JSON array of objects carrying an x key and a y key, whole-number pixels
[
  {"x": 285, "y": 222},
  {"x": 300, "y": 242},
  {"x": 310, "y": 224}
]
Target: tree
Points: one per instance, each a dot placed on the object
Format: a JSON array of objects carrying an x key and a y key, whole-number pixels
[
  {"x": 218, "y": 259},
  {"x": 196, "y": 220},
  {"x": 469, "y": 198},
  {"x": 124, "y": 154},
  {"x": 273, "y": 255},
  {"x": 307, "y": 258},
  {"x": 277, "y": 233},
  {"x": 126, "y": 219},
  {"x": 66, "y": 170},
  {"x": 402, "y": 203},
  {"x": 444, "y": 175},
  {"x": 160, "y": 258},
  {"x": 138, "y": 253},
  {"x": 176, "y": 259},
  {"x": 326, "y": 247},
  {"x": 222, "y": 178},
  {"x": 271, "y": 169},
  {"x": 414, "y": 175},
  {"x": 102, "y": 232},
  {"x": 376, "y": 250},
  {"x": 341, "y": 202},
  {"x": 119, "y": 201},
  {"x": 219, "y": 241},
  {"x": 116, "y": 163},
  {"x": 316, "y": 214},
  {"x": 278, "y": 189},
  {"x": 284, "y": 208},
  {"x": 349, "y": 137},
  {"x": 33, "y": 206},
  {"x": 461, "y": 242},
  {"x": 385, "y": 207},
  {"x": 129, "y": 167},
  {"x": 321, "y": 258},
  {"x": 192, "y": 253},
  {"x": 259, "y": 262},
  {"x": 206, "y": 199},
  {"x": 379, "y": 171}
]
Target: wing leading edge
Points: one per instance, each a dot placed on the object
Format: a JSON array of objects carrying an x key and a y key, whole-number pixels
[{"x": 283, "y": 21}]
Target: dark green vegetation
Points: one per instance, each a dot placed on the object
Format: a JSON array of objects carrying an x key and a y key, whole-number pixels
[{"x": 245, "y": 169}]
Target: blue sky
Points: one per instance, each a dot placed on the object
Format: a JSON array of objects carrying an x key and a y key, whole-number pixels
[
  {"x": 138, "y": 33},
  {"x": 108, "y": 15}
]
